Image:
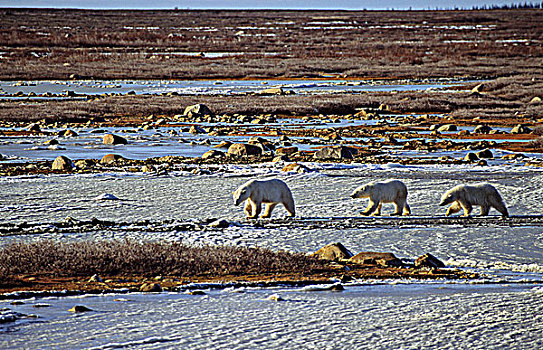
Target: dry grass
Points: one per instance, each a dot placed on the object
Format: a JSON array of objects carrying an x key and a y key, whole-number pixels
[{"x": 129, "y": 258}]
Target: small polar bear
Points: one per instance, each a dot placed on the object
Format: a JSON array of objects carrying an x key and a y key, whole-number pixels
[
  {"x": 466, "y": 196},
  {"x": 270, "y": 192},
  {"x": 391, "y": 191}
]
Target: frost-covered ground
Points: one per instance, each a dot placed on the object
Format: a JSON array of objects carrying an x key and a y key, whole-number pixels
[{"x": 503, "y": 312}]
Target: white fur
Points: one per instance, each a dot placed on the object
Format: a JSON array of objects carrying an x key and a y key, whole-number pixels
[
  {"x": 466, "y": 196},
  {"x": 390, "y": 191},
  {"x": 270, "y": 192}
]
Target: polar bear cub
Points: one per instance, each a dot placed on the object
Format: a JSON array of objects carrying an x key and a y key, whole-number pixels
[
  {"x": 270, "y": 192},
  {"x": 391, "y": 191},
  {"x": 466, "y": 196}
]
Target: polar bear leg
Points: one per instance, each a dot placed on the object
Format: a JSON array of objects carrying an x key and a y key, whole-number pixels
[
  {"x": 484, "y": 210},
  {"x": 453, "y": 209},
  {"x": 400, "y": 204},
  {"x": 499, "y": 206},
  {"x": 467, "y": 208},
  {"x": 257, "y": 210},
  {"x": 372, "y": 206},
  {"x": 269, "y": 209},
  {"x": 248, "y": 209},
  {"x": 406, "y": 209},
  {"x": 289, "y": 206},
  {"x": 378, "y": 211}
]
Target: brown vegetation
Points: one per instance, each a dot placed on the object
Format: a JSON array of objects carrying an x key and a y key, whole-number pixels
[{"x": 55, "y": 44}]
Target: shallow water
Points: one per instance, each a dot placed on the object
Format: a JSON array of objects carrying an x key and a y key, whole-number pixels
[{"x": 503, "y": 312}]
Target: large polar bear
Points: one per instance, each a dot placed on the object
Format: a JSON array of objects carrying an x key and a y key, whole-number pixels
[
  {"x": 391, "y": 191},
  {"x": 271, "y": 192},
  {"x": 466, "y": 196}
]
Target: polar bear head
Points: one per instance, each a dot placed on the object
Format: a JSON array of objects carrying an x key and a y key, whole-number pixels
[
  {"x": 363, "y": 191},
  {"x": 242, "y": 193},
  {"x": 449, "y": 196}
]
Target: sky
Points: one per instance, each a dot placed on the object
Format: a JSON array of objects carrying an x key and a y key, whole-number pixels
[{"x": 254, "y": 4}]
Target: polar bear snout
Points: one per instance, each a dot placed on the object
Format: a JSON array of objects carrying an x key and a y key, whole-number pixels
[{"x": 446, "y": 200}]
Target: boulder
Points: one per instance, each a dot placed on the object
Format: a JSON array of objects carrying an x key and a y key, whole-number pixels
[
  {"x": 374, "y": 258},
  {"x": 335, "y": 152},
  {"x": 297, "y": 168},
  {"x": 110, "y": 139},
  {"x": 244, "y": 149},
  {"x": 111, "y": 158},
  {"x": 521, "y": 129},
  {"x": 333, "y": 251},
  {"x": 195, "y": 129},
  {"x": 486, "y": 153},
  {"x": 151, "y": 288},
  {"x": 95, "y": 278},
  {"x": 447, "y": 127},
  {"x": 471, "y": 157},
  {"x": 79, "y": 308},
  {"x": 478, "y": 89},
  {"x": 69, "y": 133},
  {"x": 198, "y": 110},
  {"x": 62, "y": 163},
  {"x": 219, "y": 223},
  {"x": 34, "y": 127},
  {"x": 213, "y": 154},
  {"x": 286, "y": 150},
  {"x": 535, "y": 100},
  {"x": 428, "y": 260},
  {"x": 271, "y": 91},
  {"x": 482, "y": 129}
]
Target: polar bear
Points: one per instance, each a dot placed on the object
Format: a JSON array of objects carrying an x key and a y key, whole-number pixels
[
  {"x": 466, "y": 196},
  {"x": 271, "y": 192},
  {"x": 391, "y": 191}
]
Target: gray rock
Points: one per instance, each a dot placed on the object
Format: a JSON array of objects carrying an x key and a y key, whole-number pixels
[
  {"x": 244, "y": 149},
  {"x": 335, "y": 152},
  {"x": 428, "y": 260},
  {"x": 62, "y": 163},
  {"x": 333, "y": 251},
  {"x": 197, "y": 110},
  {"x": 374, "y": 258},
  {"x": 110, "y": 139}
]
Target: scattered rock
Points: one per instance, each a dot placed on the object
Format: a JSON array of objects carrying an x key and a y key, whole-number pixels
[
  {"x": 213, "y": 154},
  {"x": 521, "y": 129},
  {"x": 79, "y": 308},
  {"x": 478, "y": 89},
  {"x": 110, "y": 139},
  {"x": 197, "y": 292},
  {"x": 535, "y": 100},
  {"x": 471, "y": 157},
  {"x": 486, "y": 153},
  {"x": 428, "y": 260},
  {"x": 52, "y": 142},
  {"x": 219, "y": 223},
  {"x": 297, "y": 168},
  {"x": 335, "y": 152},
  {"x": 198, "y": 110},
  {"x": 111, "y": 158},
  {"x": 286, "y": 150},
  {"x": 95, "y": 278},
  {"x": 447, "y": 127},
  {"x": 512, "y": 156},
  {"x": 106, "y": 197},
  {"x": 34, "y": 128},
  {"x": 333, "y": 251},
  {"x": 151, "y": 288},
  {"x": 482, "y": 129},
  {"x": 224, "y": 144},
  {"x": 195, "y": 129},
  {"x": 275, "y": 297},
  {"x": 41, "y": 305},
  {"x": 62, "y": 163},
  {"x": 69, "y": 133},
  {"x": 244, "y": 149},
  {"x": 374, "y": 258}
]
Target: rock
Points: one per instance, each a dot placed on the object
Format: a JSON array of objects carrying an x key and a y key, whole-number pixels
[
  {"x": 52, "y": 142},
  {"x": 33, "y": 127},
  {"x": 535, "y": 100},
  {"x": 486, "y": 153},
  {"x": 463, "y": 132},
  {"x": 478, "y": 89},
  {"x": 95, "y": 278},
  {"x": 79, "y": 308},
  {"x": 521, "y": 129},
  {"x": 197, "y": 292},
  {"x": 297, "y": 168},
  {"x": 332, "y": 137},
  {"x": 84, "y": 163},
  {"x": 428, "y": 260},
  {"x": 286, "y": 150},
  {"x": 447, "y": 127},
  {"x": 106, "y": 197},
  {"x": 513, "y": 156},
  {"x": 110, "y": 139},
  {"x": 374, "y": 258},
  {"x": 224, "y": 144},
  {"x": 213, "y": 154},
  {"x": 275, "y": 297},
  {"x": 219, "y": 223},
  {"x": 333, "y": 251},
  {"x": 269, "y": 92},
  {"x": 281, "y": 158},
  {"x": 62, "y": 163},
  {"x": 335, "y": 152},
  {"x": 197, "y": 110},
  {"x": 69, "y": 133},
  {"x": 151, "y": 288},
  {"x": 482, "y": 129},
  {"x": 244, "y": 149},
  {"x": 471, "y": 157},
  {"x": 111, "y": 158},
  {"x": 195, "y": 129}
]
